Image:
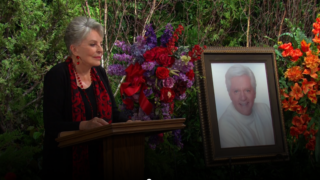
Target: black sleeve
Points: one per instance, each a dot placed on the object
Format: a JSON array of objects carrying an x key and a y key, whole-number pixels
[
  {"x": 56, "y": 117},
  {"x": 117, "y": 116}
]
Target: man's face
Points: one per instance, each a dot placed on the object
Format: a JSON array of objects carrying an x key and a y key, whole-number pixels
[{"x": 242, "y": 94}]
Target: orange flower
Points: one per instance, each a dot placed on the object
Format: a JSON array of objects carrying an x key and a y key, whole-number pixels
[
  {"x": 286, "y": 47},
  {"x": 289, "y": 105},
  {"x": 311, "y": 144},
  {"x": 300, "y": 109},
  {"x": 304, "y": 46},
  {"x": 316, "y": 29},
  {"x": 312, "y": 96},
  {"x": 283, "y": 93},
  {"x": 305, "y": 118},
  {"x": 306, "y": 135},
  {"x": 311, "y": 72},
  {"x": 293, "y": 74},
  {"x": 297, "y": 121},
  {"x": 316, "y": 39},
  {"x": 296, "y": 91},
  {"x": 302, "y": 128},
  {"x": 295, "y": 55},
  {"x": 307, "y": 85},
  {"x": 311, "y": 61},
  {"x": 313, "y": 132},
  {"x": 294, "y": 131}
]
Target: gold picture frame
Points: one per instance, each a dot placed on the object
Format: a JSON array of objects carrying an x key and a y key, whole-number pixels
[{"x": 215, "y": 101}]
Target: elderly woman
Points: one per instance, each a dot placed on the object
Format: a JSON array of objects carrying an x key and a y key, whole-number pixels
[{"x": 77, "y": 96}]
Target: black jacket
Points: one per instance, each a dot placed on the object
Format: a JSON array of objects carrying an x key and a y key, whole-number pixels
[{"x": 57, "y": 114}]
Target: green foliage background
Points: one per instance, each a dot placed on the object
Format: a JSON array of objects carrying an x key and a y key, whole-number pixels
[{"x": 31, "y": 42}]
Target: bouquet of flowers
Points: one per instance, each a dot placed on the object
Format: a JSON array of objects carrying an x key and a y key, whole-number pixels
[
  {"x": 300, "y": 84},
  {"x": 157, "y": 77}
]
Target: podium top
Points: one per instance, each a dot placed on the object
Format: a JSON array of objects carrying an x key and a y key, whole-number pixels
[{"x": 70, "y": 138}]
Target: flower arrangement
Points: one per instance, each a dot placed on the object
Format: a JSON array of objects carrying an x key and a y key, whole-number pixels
[
  {"x": 300, "y": 84},
  {"x": 157, "y": 77}
]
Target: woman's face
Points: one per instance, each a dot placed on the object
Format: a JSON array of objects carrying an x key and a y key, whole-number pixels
[{"x": 90, "y": 49}]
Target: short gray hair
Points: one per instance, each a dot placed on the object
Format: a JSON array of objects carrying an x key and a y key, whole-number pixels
[
  {"x": 239, "y": 70},
  {"x": 78, "y": 30}
]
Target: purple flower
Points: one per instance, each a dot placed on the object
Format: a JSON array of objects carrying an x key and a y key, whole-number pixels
[
  {"x": 166, "y": 117},
  {"x": 122, "y": 57},
  {"x": 166, "y": 35},
  {"x": 140, "y": 115},
  {"x": 168, "y": 82},
  {"x": 181, "y": 97},
  {"x": 151, "y": 37},
  {"x": 183, "y": 77},
  {"x": 119, "y": 43},
  {"x": 165, "y": 108},
  {"x": 181, "y": 66},
  {"x": 147, "y": 92},
  {"x": 148, "y": 66},
  {"x": 117, "y": 70},
  {"x": 177, "y": 137},
  {"x": 151, "y": 81},
  {"x": 126, "y": 48},
  {"x": 139, "y": 59},
  {"x": 189, "y": 84}
]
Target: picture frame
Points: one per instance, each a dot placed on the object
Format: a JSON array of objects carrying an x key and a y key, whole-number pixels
[{"x": 241, "y": 121}]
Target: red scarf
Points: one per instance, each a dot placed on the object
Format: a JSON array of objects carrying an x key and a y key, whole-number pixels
[{"x": 104, "y": 110}]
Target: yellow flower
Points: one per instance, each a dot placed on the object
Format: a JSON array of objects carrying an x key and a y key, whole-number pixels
[{"x": 185, "y": 59}]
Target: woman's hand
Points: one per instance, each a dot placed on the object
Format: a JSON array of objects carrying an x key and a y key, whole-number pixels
[{"x": 93, "y": 123}]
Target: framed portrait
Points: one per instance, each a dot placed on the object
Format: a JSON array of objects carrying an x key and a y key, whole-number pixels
[{"x": 240, "y": 106}]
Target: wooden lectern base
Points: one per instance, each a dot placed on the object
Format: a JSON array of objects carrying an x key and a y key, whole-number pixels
[
  {"x": 123, "y": 145},
  {"x": 126, "y": 159}
]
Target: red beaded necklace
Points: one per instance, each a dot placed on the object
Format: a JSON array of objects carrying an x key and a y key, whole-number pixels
[{"x": 81, "y": 86}]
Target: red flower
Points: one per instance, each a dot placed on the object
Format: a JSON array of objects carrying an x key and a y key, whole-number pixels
[
  {"x": 313, "y": 132},
  {"x": 149, "y": 55},
  {"x": 311, "y": 144},
  {"x": 190, "y": 74},
  {"x": 180, "y": 87},
  {"x": 135, "y": 74},
  {"x": 294, "y": 131},
  {"x": 297, "y": 121},
  {"x": 305, "y": 118},
  {"x": 171, "y": 108},
  {"x": 306, "y": 135},
  {"x": 167, "y": 95},
  {"x": 10, "y": 176},
  {"x": 312, "y": 96},
  {"x": 162, "y": 73},
  {"x": 159, "y": 50},
  {"x": 286, "y": 47},
  {"x": 129, "y": 103},
  {"x": 304, "y": 46},
  {"x": 300, "y": 109},
  {"x": 295, "y": 55},
  {"x": 165, "y": 60}
]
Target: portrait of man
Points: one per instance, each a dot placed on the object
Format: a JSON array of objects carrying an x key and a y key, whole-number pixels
[{"x": 244, "y": 121}]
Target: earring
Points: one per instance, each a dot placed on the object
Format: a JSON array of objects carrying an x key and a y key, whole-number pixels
[{"x": 78, "y": 59}]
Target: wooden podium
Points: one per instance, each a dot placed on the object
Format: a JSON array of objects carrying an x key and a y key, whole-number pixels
[{"x": 123, "y": 145}]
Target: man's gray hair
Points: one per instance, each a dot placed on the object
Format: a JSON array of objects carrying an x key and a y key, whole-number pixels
[
  {"x": 78, "y": 30},
  {"x": 239, "y": 70}
]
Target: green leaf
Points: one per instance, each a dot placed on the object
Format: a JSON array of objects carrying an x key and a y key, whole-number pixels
[
  {"x": 30, "y": 128},
  {"x": 286, "y": 34},
  {"x": 36, "y": 135}
]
